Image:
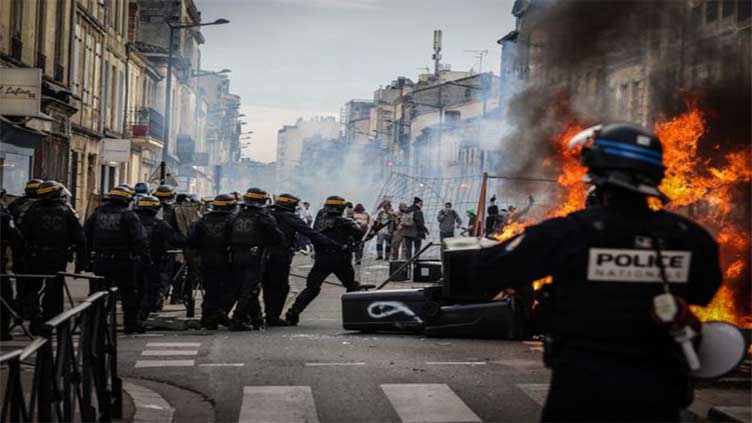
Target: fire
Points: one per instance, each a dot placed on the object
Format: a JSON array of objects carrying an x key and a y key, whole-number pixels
[
  {"x": 707, "y": 190},
  {"x": 706, "y": 187}
]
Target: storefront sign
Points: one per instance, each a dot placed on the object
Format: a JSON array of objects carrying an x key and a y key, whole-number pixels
[
  {"x": 116, "y": 150},
  {"x": 20, "y": 91}
]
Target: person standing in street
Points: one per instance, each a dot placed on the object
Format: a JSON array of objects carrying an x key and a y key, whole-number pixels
[
  {"x": 362, "y": 218},
  {"x": 415, "y": 230},
  {"x": 276, "y": 282},
  {"x": 53, "y": 234},
  {"x": 253, "y": 232},
  {"x": 399, "y": 231},
  {"x": 385, "y": 219},
  {"x": 119, "y": 247},
  {"x": 160, "y": 237},
  {"x": 448, "y": 220},
  {"x": 210, "y": 237},
  {"x": 616, "y": 266},
  {"x": 330, "y": 258}
]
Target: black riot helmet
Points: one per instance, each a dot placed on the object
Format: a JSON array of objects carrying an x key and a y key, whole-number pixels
[
  {"x": 31, "y": 187},
  {"x": 622, "y": 155},
  {"x": 255, "y": 197},
  {"x": 286, "y": 201},
  {"x": 165, "y": 193},
  {"x": 148, "y": 203},
  {"x": 50, "y": 190},
  {"x": 224, "y": 202},
  {"x": 120, "y": 194},
  {"x": 334, "y": 204}
]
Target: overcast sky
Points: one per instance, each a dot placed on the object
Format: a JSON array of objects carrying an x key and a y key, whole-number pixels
[{"x": 299, "y": 58}]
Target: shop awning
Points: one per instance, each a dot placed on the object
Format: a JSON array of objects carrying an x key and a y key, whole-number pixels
[{"x": 18, "y": 135}]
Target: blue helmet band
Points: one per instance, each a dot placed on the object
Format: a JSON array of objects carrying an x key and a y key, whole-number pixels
[{"x": 634, "y": 152}]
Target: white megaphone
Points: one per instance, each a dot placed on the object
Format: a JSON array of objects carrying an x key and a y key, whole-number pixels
[{"x": 721, "y": 350}]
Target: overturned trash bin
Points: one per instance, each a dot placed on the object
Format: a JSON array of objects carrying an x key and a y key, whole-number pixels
[{"x": 460, "y": 305}]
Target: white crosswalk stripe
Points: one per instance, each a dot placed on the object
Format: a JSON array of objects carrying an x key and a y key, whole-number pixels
[
  {"x": 168, "y": 349},
  {"x": 433, "y": 402},
  {"x": 278, "y": 404},
  {"x": 164, "y": 363}
]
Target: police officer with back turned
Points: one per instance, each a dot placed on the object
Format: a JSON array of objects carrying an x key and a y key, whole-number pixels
[
  {"x": 118, "y": 241},
  {"x": 52, "y": 233},
  {"x": 210, "y": 237},
  {"x": 329, "y": 259},
  {"x": 276, "y": 281},
  {"x": 160, "y": 237},
  {"x": 253, "y": 231},
  {"x": 612, "y": 358}
]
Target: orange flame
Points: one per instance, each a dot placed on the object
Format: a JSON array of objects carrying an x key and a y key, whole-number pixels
[{"x": 707, "y": 190}]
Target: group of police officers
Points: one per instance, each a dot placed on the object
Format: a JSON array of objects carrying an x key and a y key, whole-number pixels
[{"x": 243, "y": 245}]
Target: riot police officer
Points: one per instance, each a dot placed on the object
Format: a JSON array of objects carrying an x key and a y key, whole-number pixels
[
  {"x": 166, "y": 195},
  {"x": 276, "y": 281},
  {"x": 52, "y": 233},
  {"x": 160, "y": 237},
  {"x": 118, "y": 241},
  {"x": 210, "y": 237},
  {"x": 611, "y": 359},
  {"x": 253, "y": 231},
  {"x": 19, "y": 206},
  {"x": 10, "y": 241},
  {"x": 330, "y": 259}
]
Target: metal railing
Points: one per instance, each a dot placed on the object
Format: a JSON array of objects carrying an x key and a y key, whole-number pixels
[{"x": 70, "y": 381}]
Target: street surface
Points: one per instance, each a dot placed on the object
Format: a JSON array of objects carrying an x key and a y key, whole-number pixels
[{"x": 319, "y": 372}]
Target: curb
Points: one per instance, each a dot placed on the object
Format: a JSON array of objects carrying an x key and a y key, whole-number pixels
[
  {"x": 150, "y": 406},
  {"x": 730, "y": 414}
]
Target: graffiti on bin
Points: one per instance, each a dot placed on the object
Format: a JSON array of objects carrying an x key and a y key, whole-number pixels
[{"x": 384, "y": 309}]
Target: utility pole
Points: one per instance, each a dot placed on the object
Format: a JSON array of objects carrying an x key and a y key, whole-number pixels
[{"x": 479, "y": 54}]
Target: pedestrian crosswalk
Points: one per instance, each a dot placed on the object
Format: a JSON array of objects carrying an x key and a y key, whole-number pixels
[
  {"x": 411, "y": 402},
  {"x": 166, "y": 350}
]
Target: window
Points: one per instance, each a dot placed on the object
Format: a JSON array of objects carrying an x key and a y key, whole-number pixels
[
  {"x": 727, "y": 8},
  {"x": 75, "y": 83},
  {"x": 711, "y": 11},
  {"x": 744, "y": 10}
]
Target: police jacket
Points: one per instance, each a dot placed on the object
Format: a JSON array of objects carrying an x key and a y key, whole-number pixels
[
  {"x": 51, "y": 230},
  {"x": 19, "y": 206},
  {"x": 159, "y": 235},
  {"x": 342, "y": 230},
  {"x": 253, "y": 228},
  {"x": 10, "y": 237},
  {"x": 211, "y": 236},
  {"x": 605, "y": 275},
  {"x": 116, "y": 229},
  {"x": 291, "y": 224}
]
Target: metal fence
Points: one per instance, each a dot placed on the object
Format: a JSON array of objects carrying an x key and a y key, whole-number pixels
[{"x": 70, "y": 381}]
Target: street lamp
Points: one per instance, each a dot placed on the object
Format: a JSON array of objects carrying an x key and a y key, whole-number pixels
[{"x": 168, "y": 90}]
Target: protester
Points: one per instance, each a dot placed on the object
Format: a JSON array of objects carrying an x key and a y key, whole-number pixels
[
  {"x": 415, "y": 230},
  {"x": 362, "y": 218},
  {"x": 385, "y": 218},
  {"x": 472, "y": 219},
  {"x": 304, "y": 212},
  {"x": 398, "y": 231},
  {"x": 448, "y": 220}
]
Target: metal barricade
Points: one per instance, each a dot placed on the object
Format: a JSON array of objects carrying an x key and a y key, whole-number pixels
[{"x": 70, "y": 382}]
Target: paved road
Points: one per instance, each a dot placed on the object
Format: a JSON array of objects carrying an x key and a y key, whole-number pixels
[{"x": 319, "y": 372}]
